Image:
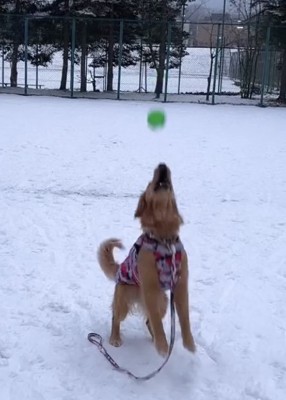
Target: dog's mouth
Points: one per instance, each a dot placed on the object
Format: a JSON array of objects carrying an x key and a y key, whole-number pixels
[{"x": 162, "y": 178}]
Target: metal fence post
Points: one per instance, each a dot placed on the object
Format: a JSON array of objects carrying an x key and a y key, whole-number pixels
[
  {"x": 216, "y": 63},
  {"x": 169, "y": 35},
  {"x": 72, "y": 56},
  {"x": 221, "y": 66},
  {"x": 221, "y": 63},
  {"x": 120, "y": 58},
  {"x": 26, "y": 30},
  {"x": 182, "y": 44},
  {"x": 140, "y": 66},
  {"x": 265, "y": 66},
  {"x": 3, "y": 65},
  {"x": 37, "y": 67}
]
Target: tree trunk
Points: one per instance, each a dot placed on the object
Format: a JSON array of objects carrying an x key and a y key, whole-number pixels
[
  {"x": 15, "y": 48},
  {"x": 110, "y": 56},
  {"x": 83, "y": 58},
  {"x": 161, "y": 66},
  {"x": 66, "y": 27},
  {"x": 159, "y": 82},
  {"x": 63, "y": 84},
  {"x": 14, "y": 61},
  {"x": 282, "y": 94}
]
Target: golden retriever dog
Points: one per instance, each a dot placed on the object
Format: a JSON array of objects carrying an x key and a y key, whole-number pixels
[{"x": 157, "y": 262}]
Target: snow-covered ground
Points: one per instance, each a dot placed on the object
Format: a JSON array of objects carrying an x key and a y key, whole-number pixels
[{"x": 71, "y": 174}]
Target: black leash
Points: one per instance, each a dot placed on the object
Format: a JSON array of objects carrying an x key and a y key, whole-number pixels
[{"x": 96, "y": 339}]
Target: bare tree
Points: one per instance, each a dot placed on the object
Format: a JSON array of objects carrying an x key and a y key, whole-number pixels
[
  {"x": 276, "y": 15},
  {"x": 249, "y": 43}
]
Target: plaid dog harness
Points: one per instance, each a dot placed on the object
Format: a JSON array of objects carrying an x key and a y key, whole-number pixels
[{"x": 168, "y": 261}]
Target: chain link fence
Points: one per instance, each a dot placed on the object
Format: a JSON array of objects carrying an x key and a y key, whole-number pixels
[{"x": 142, "y": 60}]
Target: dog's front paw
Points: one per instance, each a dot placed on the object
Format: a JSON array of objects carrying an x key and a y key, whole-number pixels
[
  {"x": 189, "y": 344},
  {"x": 115, "y": 341},
  {"x": 162, "y": 347}
]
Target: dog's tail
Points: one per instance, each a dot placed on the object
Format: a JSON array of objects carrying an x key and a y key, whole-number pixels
[{"x": 106, "y": 259}]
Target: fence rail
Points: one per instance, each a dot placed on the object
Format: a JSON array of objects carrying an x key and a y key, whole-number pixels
[{"x": 123, "y": 59}]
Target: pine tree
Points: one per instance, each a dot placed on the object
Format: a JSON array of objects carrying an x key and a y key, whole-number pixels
[
  {"x": 13, "y": 23},
  {"x": 158, "y": 16},
  {"x": 108, "y": 31},
  {"x": 249, "y": 43},
  {"x": 60, "y": 33},
  {"x": 83, "y": 9},
  {"x": 97, "y": 32}
]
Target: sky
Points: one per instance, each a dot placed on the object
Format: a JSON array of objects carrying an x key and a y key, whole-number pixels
[{"x": 217, "y": 4}]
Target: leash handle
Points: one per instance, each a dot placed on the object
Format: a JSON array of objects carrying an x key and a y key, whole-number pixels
[{"x": 96, "y": 339}]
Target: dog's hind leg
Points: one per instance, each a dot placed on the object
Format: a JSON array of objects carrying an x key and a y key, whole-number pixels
[{"x": 120, "y": 309}]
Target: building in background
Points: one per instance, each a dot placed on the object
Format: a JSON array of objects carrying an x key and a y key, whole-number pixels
[{"x": 205, "y": 32}]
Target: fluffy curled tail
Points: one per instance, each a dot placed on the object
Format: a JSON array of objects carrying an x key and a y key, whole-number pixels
[{"x": 106, "y": 259}]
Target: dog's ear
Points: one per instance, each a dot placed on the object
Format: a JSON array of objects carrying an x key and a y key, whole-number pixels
[{"x": 141, "y": 206}]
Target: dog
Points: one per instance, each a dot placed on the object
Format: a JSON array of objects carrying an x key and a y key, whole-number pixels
[{"x": 157, "y": 262}]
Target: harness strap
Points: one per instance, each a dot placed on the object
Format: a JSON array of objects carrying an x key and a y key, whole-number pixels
[{"x": 173, "y": 268}]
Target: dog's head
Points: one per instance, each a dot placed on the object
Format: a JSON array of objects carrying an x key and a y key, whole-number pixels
[{"x": 157, "y": 207}]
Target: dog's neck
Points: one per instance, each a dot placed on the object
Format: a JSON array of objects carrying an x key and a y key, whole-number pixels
[{"x": 166, "y": 240}]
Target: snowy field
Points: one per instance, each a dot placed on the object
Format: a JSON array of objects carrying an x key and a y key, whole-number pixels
[
  {"x": 195, "y": 70},
  {"x": 71, "y": 174}
]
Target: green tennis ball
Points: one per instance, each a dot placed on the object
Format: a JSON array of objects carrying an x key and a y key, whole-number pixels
[{"x": 156, "y": 119}]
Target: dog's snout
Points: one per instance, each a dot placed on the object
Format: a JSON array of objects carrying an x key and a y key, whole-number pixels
[
  {"x": 163, "y": 171},
  {"x": 162, "y": 167},
  {"x": 162, "y": 177}
]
